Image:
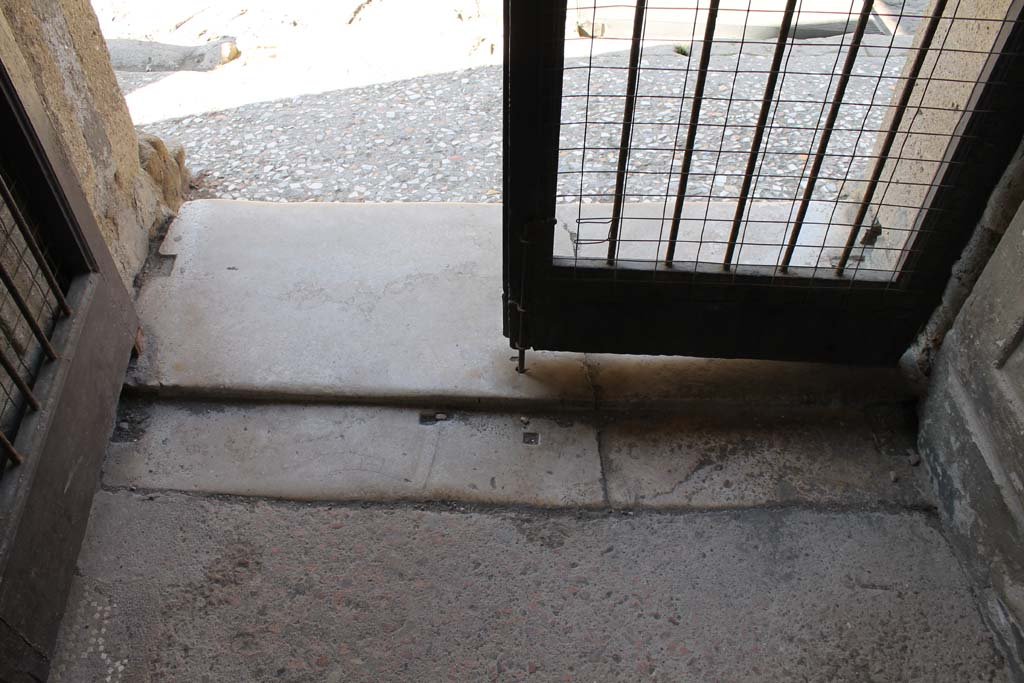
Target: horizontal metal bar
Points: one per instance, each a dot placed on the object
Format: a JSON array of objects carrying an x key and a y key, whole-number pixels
[
  {"x": 696, "y": 6},
  {"x": 836, "y": 201},
  {"x": 815, "y": 128},
  {"x": 876, "y": 105}
]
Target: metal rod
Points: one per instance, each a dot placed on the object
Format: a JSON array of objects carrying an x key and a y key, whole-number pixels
[
  {"x": 23, "y": 387},
  {"x": 826, "y": 134},
  {"x": 762, "y": 119},
  {"x": 521, "y": 365},
  {"x": 691, "y": 131},
  {"x": 9, "y": 448},
  {"x": 890, "y": 136},
  {"x": 26, "y": 312},
  {"x": 627, "y": 127},
  {"x": 33, "y": 246}
]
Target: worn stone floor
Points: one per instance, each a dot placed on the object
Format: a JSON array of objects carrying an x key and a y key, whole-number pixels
[
  {"x": 175, "y": 587},
  {"x": 264, "y": 541},
  {"x": 299, "y": 487}
]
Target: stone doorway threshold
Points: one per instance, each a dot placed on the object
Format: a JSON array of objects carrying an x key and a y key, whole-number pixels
[{"x": 400, "y": 304}]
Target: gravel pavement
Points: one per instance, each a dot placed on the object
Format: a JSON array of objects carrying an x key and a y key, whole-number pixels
[
  {"x": 438, "y": 137},
  {"x": 732, "y": 101}
]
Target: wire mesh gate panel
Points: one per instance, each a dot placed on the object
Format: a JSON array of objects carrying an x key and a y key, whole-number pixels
[
  {"x": 777, "y": 179},
  {"x": 31, "y": 301}
]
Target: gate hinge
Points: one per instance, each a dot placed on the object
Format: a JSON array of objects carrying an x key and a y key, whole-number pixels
[{"x": 532, "y": 231}]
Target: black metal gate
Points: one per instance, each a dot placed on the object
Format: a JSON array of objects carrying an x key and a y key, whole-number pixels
[
  {"x": 778, "y": 180},
  {"x": 67, "y": 325}
]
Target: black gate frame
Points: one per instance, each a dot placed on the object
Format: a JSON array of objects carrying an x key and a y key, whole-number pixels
[
  {"x": 591, "y": 307},
  {"x": 45, "y": 501}
]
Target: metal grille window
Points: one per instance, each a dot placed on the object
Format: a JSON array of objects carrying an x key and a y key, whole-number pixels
[
  {"x": 787, "y": 138},
  {"x": 31, "y": 300}
]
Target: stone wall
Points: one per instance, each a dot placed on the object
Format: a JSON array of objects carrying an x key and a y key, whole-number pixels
[
  {"x": 132, "y": 186},
  {"x": 972, "y": 434}
]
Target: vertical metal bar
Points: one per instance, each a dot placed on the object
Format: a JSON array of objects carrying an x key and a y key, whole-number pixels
[
  {"x": 762, "y": 119},
  {"x": 10, "y": 450},
  {"x": 890, "y": 136},
  {"x": 23, "y": 387},
  {"x": 826, "y": 134},
  {"x": 524, "y": 281},
  {"x": 627, "y": 127},
  {"x": 33, "y": 245},
  {"x": 26, "y": 312},
  {"x": 691, "y": 131},
  {"x": 533, "y": 71}
]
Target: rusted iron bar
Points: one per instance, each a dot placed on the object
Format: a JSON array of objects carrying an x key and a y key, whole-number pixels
[
  {"x": 26, "y": 313},
  {"x": 633, "y": 77},
  {"x": 691, "y": 131},
  {"x": 826, "y": 133},
  {"x": 23, "y": 387},
  {"x": 10, "y": 450},
  {"x": 762, "y": 121},
  {"x": 883, "y": 156}
]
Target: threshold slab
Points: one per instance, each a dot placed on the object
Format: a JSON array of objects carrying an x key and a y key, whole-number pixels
[
  {"x": 398, "y": 303},
  {"x": 356, "y": 453},
  {"x": 693, "y": 460},
  {"x": 724, "y": 459},
  {"x": 390, "y": 301}
]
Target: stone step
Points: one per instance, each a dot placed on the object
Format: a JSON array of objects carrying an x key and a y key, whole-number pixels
[
  {"x": 401, "y": 304},
  {"x": 691, "y": 460}
]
